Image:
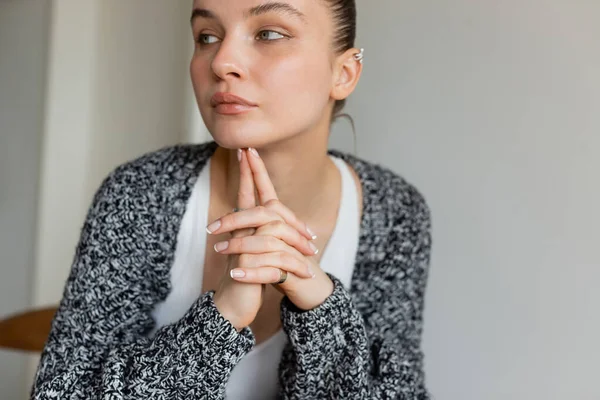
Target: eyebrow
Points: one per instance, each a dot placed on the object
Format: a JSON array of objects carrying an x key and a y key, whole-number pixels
[
  {"x": 201, "y": 13},
  {"x": 276, "y": 7},
  {"x": 280, "y": 8}
]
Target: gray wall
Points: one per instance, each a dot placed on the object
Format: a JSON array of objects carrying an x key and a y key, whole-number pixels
[
  {"x": 23, "y": 43},
  {"x": 492, "y": 109}
]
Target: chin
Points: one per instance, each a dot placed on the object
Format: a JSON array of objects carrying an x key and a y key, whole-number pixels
[{"x": 242, "y": 135}]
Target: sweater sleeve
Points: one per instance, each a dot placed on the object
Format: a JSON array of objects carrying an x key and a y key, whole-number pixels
[
  {"x": 369, "y": 347},
  {"x": 98, "y": 347}
]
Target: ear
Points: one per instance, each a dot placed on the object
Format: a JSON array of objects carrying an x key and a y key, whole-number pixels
[{"x": 347, "y": 71}]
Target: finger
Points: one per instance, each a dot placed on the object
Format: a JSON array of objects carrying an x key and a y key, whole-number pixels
[
  {"x": 258, "y": 244},
  {"x": 246, "y": 197},
  {"x": 300, "y": 267},
  {"x": 252, "y": 218},
  {"x": 264, "y": 186},
  {"x": 289, "y": 235},
  {"x": 260, "y": 275},
  {"x": 259, "y": 216},
  {"x": 268, "y": 196},
  {"x": 290, "y": 218}
]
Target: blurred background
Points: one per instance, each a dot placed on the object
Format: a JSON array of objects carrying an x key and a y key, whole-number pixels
[{"x": 491, "y": 108}]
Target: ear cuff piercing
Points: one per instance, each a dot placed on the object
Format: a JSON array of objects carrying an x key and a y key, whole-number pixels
[{"x": 359, "y": 56}]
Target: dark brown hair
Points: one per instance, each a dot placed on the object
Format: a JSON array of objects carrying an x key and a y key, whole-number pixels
[{"x": 344, "y": 20}]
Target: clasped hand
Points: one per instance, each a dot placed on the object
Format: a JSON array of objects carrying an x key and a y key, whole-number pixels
[{"x": 266, "y": 238}]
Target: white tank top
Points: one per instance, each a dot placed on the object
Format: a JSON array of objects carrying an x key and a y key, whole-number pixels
[{"x": 255, "y": 377}]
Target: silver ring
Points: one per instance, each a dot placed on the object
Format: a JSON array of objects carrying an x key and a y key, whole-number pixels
[
  {"x": 238, "y": 209},
  {"x": 282, "y": 277}
]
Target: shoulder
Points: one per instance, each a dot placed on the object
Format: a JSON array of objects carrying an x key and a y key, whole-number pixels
[
  {"x": 396, "y": 228},
  {"x": 167, "y": 167},
  {"x": 168, "y": 163},
  {"x": 389, "y": 192}
]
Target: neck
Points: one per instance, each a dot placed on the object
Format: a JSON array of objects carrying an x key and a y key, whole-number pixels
[{"x": 299, "y": 168}]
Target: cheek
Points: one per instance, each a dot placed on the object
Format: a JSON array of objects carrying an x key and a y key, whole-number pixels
[
  {"x": 301, "y": 82},
  {"x": 199, "y": 73}
]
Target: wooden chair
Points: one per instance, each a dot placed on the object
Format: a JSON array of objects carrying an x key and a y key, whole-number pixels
[{"x": 27, "y": 331}]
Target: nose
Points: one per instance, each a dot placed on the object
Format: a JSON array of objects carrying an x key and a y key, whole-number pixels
[{"x": 228, "y": 63}]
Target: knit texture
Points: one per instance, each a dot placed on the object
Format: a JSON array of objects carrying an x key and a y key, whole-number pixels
[{"x": 361, "y": 343}]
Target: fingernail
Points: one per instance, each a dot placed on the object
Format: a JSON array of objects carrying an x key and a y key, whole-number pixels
[
  {"x": 311, "y": 233},
  {"x": 237, "y": 273},
  {"x": 214, "y": 226},
  {"x": 254, "y": 152},
  {"x": 239, "y": 154},
  {"x": 311, "y": 272},
  {"x": 313, "y": 247},
  {"x": 221, "y": 246}
]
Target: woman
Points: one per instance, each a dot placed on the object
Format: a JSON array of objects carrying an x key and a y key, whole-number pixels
[{"x": 172, "y": 295}]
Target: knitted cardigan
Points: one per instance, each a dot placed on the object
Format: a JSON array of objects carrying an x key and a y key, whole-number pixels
[{"x": 361, "y": 343}]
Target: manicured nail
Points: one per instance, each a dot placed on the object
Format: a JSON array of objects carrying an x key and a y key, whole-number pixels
[
  {"x": 311, "y": 272},
  {"x": 239, "y": 153},
  {"x": 311, "y": 233},
  {"x": 214, "y": 226},
  {"x": 313, "y": 247},
  {"x": 221, "y": 246},
  {"x": 254, "y": 152},
  {"x": 237, "y": 273}
]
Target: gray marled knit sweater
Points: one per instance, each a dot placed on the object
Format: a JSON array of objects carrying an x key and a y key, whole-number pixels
[{"x": 360, "y": 344}]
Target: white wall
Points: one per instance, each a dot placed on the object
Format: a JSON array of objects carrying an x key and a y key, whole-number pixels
[
  {"x": 492, "y": 109},
  {"x": 23, "y": 27},
  {"x": 115, "y": 90},
  {"x": 116, "y": 86}
]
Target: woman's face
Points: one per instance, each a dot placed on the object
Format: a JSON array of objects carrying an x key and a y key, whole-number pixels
[{"x": 276, "y": 57}]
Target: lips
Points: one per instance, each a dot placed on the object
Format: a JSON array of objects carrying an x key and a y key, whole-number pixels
[
  {"x": 231, "y": 105},
  {"x": 229, "y": 98}
]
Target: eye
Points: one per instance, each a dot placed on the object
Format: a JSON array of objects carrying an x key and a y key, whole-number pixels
[
  {"x": 204, "y": 38},
  {"x": 269, "y": 35}
]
